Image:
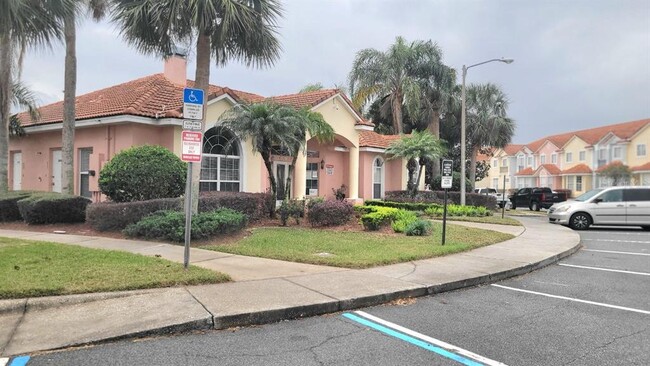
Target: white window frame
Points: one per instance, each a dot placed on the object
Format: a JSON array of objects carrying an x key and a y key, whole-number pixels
[
  {"x": 495, "y": 163},
  {"x": 542, "y": 159},
  {"x": 495, "y": 183},
  {"x": 579, "y": 183},
  {"x": 220, "y": 158},
  {"x": 570, "y": 182},
  {"x": 582, "y": 155},
  {"x": 504, "y": 162},
  {"x": 85, "y": 172},
  {"x": 568, "y": 157},
  {"x": 641, "y": 150},
  {"x": 617, "y": 153},
  {"x": 554, "y": 158},
  {"x": 530, "y": 161},
  {"x": 382, "y": 177}
]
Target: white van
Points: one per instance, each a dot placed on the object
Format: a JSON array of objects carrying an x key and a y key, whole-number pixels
[{"x": 621, "y": 206}]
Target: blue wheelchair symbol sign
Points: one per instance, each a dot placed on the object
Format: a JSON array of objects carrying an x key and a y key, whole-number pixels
[{"x": 193, "y": 96}]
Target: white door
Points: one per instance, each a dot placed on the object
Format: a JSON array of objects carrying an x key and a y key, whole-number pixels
[
  {"x": 378, "y": 179},
  {"x": 18, "y": 171},
  {"x": 56, "y": 170}
]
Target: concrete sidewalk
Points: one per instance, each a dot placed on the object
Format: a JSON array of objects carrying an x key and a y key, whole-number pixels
[{"x": 263, "y": 291}]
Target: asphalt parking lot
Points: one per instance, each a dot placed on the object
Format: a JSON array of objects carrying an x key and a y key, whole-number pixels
[{"x": 592, "y": 308}]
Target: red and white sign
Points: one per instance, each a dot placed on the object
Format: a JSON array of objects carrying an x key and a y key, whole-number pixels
[{"x": 192, "y": 142}]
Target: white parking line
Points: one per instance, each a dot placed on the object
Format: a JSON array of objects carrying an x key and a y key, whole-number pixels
[
  {"x": 437, "y": 342},
  {"x": 604, "y": 269},
  {"x": 619, "y": 241},
  {"x": 615, "y": 252},
  {"x": 574, "y": 299}
]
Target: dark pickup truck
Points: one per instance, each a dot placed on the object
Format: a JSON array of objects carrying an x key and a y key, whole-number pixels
[{"x": 536, "y": 198}]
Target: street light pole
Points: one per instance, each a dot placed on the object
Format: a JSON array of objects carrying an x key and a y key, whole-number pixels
[{"x": 462, "y": 124}]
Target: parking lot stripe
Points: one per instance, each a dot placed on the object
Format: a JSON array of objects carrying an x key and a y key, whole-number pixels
[
  {"x": 437, "y": 342},
  {"x": 604, "y": 269},
  {"x": 615, "y": 252},
  {"x": 19, "y": 361},
  {"x": 619, "y": 241},
  {"x": 574, "y": 299}
]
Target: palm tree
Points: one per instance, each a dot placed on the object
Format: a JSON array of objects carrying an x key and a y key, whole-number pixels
[
  {"x": 392, "y": 76},
  {"x": 420, "y": 146},
  {"x": 98, "y": 9},
  {"x": 272, "y": 127},
  {"x": 23, "y": 99},
  {"x": 311, "y": 87},
  {"x": 241, "y": 30},
  {"x": 488, "y": 123},
  {"x": 23, "y": 23}
]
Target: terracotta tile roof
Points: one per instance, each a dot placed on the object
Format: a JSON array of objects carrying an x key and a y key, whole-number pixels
[
  {"x": 483, "y": 157},
  {"x": 641, "y": 168},
  {"x": 512, "y": 149},
  {"x": 578, "y": 169},
  {"x": 373, "y": 139},
  {"x": 527, "y": 171},
  {"x": 150, "y": 96},
  {"x": 313, "y": 98},
  {"x": 551, "y": 168},
  {"x": 613, "y": 163}
]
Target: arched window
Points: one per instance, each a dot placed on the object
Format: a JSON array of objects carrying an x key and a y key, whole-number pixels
[
  {"x": 220, "y": 165},
  {"x": 378, "y": 178}
]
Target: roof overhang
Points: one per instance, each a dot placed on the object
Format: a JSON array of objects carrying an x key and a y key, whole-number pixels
[{"x": 105, "y": 121}]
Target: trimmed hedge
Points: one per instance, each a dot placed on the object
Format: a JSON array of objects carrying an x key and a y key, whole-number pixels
[
  {"x": 52, "y": 208},
  {"x": 419, "y": 228},
  {"x": 437, "y": 197},
  {"x": 170, "y": 225},
  {"x": 9, "y": 205},
  {"x": 458, "y": 210},
  {"x": 378, "y": 217},
  {"x": 330, "y": 213},
  {"x": 410, "y": 206},
  {"x": 109, "y": 216}
]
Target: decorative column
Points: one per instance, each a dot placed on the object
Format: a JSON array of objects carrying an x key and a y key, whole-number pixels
[
  {"x": 353, "y": 185},
  {"x": 300, "y": 177}
]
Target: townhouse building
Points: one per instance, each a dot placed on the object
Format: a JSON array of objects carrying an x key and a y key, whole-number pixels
[{"x": 573, "y": 160}]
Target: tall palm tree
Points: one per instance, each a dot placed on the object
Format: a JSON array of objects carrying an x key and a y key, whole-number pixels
[
  {"x": 23, "y": 23},
  {"x": 420, "y": 146},
  {"x": 488, "y": 123},
  {"x": 241, "y": 30},
  {"x": 271, "y": 127},
  {"x": 97, "y": 8},
  {"x": 24, "y": 99},
  {"x": 392, "y": 76}
]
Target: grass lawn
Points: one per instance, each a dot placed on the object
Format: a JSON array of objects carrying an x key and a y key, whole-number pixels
[
  {"x": 495, "y": 219},
  {"x": 357, "y": 249},
  {"x": 33, "y": 268}
]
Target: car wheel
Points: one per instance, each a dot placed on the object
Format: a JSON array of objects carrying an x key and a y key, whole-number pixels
[
  {"x": 534, "y": 206},
  {"x": 580, "y": 221}
]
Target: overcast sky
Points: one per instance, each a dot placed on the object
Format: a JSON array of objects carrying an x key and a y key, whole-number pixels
[{"x": 578, "y": 64}]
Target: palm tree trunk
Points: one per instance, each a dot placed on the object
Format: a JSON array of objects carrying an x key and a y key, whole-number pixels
[
  {"x": 434, "y": 128},
  {"x": 472, "y": 166},
  {"x": 417, "y": 180},
  {"x": 6, "y": 53},
  {"x": 69, "y": 95},
  {"x": 292, "y": 167},
  {"x": 266, "y": 157},
  {"x": 201, "y": 81},
  {"x": 396, "y": 107}
]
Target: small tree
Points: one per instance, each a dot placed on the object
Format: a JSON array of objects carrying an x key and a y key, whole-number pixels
[
  {"x": 617, "y": 173},
  {"x": 418, "y": 148},
  {"x": 143, "y": 173}
]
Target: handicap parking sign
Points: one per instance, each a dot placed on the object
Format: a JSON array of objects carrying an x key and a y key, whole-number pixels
[{"x": 193, "y": 103}]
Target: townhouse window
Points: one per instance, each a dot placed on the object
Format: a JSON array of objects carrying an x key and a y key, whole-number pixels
[
  {"x": 220, "y": 165},
  {"x": 495, "y": 182},
  {"x": 84, "y": 172},
  {"x": 640, "y": 150},
  {"x": 581, "y": 156},
  {"x": 542, "y": 159},
  {"x": 579, "y": 183},
  {"x": 530, "y": 161},
  {"x": 553, "y": 158},
  {"x": 602, "y": 154},
  {"x": 504, "y": 162},
  {"x": 312, "y": 180},
  {"x": 569, "y": 182},
  {"x": 569, "y": 157},
  {"x": 495, "y": 163},
  {"x": 617, "y": 152},
  {"x": 378, "y": 178}
]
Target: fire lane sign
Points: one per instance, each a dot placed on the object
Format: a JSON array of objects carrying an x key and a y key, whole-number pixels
[{"x": 191, "y": 143}]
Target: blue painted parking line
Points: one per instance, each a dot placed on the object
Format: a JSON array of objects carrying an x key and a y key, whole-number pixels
[
  {"x": 16, "y": 361},
  {"x": 412, "y": 340}
]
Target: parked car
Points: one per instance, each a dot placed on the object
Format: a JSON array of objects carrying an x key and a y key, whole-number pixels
[
  {"x": 536, "y": 198},
  {"x": 622, "y": 206},
  {"x": 500, "y": 197}
]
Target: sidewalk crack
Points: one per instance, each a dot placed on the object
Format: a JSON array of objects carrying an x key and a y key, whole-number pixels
[
  {"x": 310, "y": 289},
  {"x": 203, "y": 305},
  {"x": 415, "y": 267},
  {"x": 13, "y": 332}
]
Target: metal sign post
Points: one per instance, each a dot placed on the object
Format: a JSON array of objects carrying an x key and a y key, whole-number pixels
[
  {"x": 503, "y": 198},
  {"x": 192, "y": 141},
  {"x": 446, "y": 183}
]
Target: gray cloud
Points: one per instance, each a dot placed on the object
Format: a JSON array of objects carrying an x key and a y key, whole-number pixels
[{"x": 578, "y": 64}]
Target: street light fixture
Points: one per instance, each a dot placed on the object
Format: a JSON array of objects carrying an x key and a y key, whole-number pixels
[{"x": 462, "y": 124}]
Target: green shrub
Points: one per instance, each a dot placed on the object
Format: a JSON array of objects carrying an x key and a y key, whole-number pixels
[
  {"x": 378, "y": 217},
  {"x": 111, "y": 216},
  {"x": 314, "y": 201},
  {"x": 458, "y": 210},
  {"x": 402, "y": 220},
  {"x": 437, "y": 197},
  {"x": 170, "y": 225},
  {"x": 419, "y": 228},
  {"x": 9, "y": 205},
  {"x": 411, "y": 206},
  {"x": 291, "y": 208},
  {"x": 330, "y": 213},
  {"x": 143, "y": 173},
  {"x": 51, "y": 208}
]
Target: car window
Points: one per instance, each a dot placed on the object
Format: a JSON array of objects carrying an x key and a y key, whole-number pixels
[
  {"x": 587, "y": 195},
  {"x": 640, "y": 194},
  {"x": 615, "y": 195}
]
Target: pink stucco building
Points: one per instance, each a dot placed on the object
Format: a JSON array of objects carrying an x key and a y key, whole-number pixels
[{"x": 148, "y": 110}]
